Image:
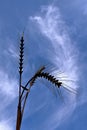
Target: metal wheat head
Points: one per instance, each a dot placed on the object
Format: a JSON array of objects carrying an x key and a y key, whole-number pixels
[
  {"x": 21, "y": 55},
  {"x": 45, "y": 75}
]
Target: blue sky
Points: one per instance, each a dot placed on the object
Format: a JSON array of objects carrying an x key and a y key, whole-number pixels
[{"x": 55, "y": 35}]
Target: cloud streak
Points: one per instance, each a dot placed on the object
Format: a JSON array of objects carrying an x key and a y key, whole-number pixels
[
  {"x": 8, "y": 93},
  {"x": 64, "y": 56},
  {"x": 7, "y": 85},
  {"x": 4, "y": 125}
]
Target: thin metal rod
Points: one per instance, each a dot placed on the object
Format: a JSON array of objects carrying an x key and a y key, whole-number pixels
[
  {"x": 19, "y": 114},
  {"x": 25, "y": 87},
  {"x": 19, "y": 117},
  {"x": 25, "y": 99}
]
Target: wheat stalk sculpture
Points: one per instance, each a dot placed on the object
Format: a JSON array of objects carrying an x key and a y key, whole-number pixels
[{"x": 25, "y": 90}]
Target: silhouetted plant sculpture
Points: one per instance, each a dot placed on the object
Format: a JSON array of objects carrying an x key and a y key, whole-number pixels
[{"x": 24, "y": 90}]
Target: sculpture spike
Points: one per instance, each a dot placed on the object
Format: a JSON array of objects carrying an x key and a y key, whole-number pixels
[{"x": 21, "y": 55}]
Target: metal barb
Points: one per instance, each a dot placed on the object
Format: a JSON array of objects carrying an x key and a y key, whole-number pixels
[{"x": 21, "y": 54}]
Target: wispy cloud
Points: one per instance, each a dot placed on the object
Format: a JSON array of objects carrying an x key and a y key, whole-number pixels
[
  {"x": 8, "y": 93},
  {"x": 85, "y": 9},
  {"x": 64, "y": 56},
  {"x": 11, "y": 50},
  {"x": 7, "y": 85},
  {"x": 4, "y": 125}
]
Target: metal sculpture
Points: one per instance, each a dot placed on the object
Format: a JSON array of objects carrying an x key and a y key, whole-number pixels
[{"x": 25, "y": 90}]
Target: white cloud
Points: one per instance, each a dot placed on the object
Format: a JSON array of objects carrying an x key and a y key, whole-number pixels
[
  {"x": 84, "y": 9},
  {"x": 64, "y": 55},
  {"x": 13, "y": 52},
  {"x": 48, "y": 24},
  {"x": 8, "y": 93},
  {"x": 12, "y": 49},
  {"x": 52, "y": 26},
  {"x": 5, "y": 125},
  {"x": 8, "y": 87}
]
